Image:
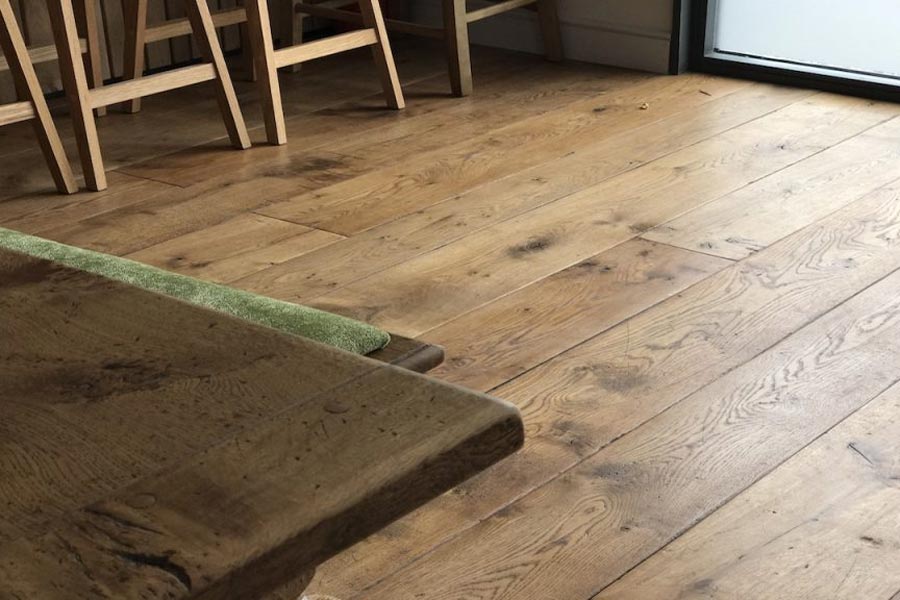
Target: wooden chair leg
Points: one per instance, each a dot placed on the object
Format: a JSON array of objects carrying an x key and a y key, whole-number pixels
[
  {"x": 28, "y": 89},
  {"x": 550, "y": 31},
  {"x": 260, "y": 33},
  {"x": 86, "y": 15},
  {"x": 71, "y": 66},
  {"x": 208, "y": 42},
  {"x": 290, "y": 29},
  {"x": 135, "y": 13},
  {"x": 456, "y": 32},
  {"x": 381, "y": 52}
]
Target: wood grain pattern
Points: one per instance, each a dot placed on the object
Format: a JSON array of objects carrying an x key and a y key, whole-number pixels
[
  {"x": 229, "y": 444},
  {"x": 741, "y": 223},
  {"x": 584, "y": 399},
  {"x": 587, "y": 527},
  {"x": 36, "y": 213},
  {"x": 776, "y": 548},
  {"x": 621, "y": 149},
  {"x": 419, "y": 129},
  {"x": 521, "y": 330},
  {"x": 236, "y": 248},
  {"x": 498, "y": 259},
  {"x": 353, "y": 206},
  {"x": 669, "y": 404}
]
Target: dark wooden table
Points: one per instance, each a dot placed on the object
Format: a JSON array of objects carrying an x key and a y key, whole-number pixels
[{"x": 154, "y": 449}]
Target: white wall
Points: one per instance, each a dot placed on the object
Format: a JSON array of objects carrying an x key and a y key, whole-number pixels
[{"x": 625, "y": 33}]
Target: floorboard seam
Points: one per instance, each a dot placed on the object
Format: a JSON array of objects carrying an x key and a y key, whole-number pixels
[
  {"x": 541, "y": 206},
  {"x": 612, "y": 441},
  {"x": 726, "y": 501}
]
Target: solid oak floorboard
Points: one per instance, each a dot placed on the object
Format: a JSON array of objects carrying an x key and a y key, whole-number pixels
[
  {"x": 236, "y": 248},
  {"x": 587, "y": 527},
  {"x": 752, "y": 218},
  {"x": 365, "y": 202},
  {"x": 421, "y": 125},
  {"x": 523, "y": 329},
  {"x": 180, "y": 211},
  {"x": 429, "y": 290},
  {"x": 583, "y": 399},
  {"x": 34, "y": 212},
  {"x": 822, "y": 525},
  {"x": 621, "y": 149}
]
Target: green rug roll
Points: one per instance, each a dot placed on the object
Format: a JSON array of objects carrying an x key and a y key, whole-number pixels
[{"x": 318, "y": 325}]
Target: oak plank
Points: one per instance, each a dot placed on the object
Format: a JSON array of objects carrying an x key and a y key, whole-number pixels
[
  {"x": 591, "y": 524},
  {"x": 36, "y": 213},
  {"x": 274, "y": 174},
  {"x": 421, "y": 127},
  {"x": 623, "y": 148},
  {"x": 822, "y": 525},
  {"x": 742, "y": 223},
  {"x": 523, "y": 329},
  {"x": 180, "y": 211},
  {"x": 582, "y": 400},
  {"x": 364, "y": 202},
  {"x": 235, "y": 248},
  {"x": 422, "y": 293}
]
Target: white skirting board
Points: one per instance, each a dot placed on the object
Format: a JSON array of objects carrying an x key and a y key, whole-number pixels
[{"x": 630, "y": 34}]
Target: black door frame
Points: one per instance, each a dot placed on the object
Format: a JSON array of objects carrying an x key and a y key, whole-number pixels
[{"x": 688, "y": 50}]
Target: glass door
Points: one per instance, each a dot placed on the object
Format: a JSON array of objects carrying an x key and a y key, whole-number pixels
[{"x": 845, "y": 45}]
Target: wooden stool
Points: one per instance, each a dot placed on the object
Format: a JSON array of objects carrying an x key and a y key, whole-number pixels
[
  {"x": 86, "y": 16},
  {"x": 268, "y": 60},
  {"x": 455, "y": 30},
  {"x": 31, "y": 106},
  {"x": 138, "y": 34},
  {"x": 84, "y": 99}
]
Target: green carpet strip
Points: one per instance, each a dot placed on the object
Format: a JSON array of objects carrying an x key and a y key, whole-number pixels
[{"x": 318, "y": 325}]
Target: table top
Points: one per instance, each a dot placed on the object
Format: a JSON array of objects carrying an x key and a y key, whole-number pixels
[{"x": 151, "y": 448}]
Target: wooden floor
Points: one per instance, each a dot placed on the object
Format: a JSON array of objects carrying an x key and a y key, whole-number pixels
[{"x": 689, "y": 285}]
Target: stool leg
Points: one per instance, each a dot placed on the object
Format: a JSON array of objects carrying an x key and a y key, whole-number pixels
[
  {"x": 550, "y": 29},
  {"x": 28, "y": 88},
  {"x": 135, "y": 13},
  {"x": 260, "y": 32},
  {"x": 381, "y": 52},
  {"x": 456, "y": 32},
  {"x": 205, "y": 34},
  {"x": 71, "y": 66},
  {"x": 86, "y": 16}
]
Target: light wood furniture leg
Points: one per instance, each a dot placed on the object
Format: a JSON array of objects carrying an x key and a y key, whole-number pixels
[
  {"x": 266, "y": 72},
  {"x": 83, "y": 99},
  {"x": 456, "y": 31},
  {"x": 32, "y": 104},
  {"x": 269, "y": 60},
  {"x": 381, "y": 52},
  {"x": 135, "y": 12},
  {"x": 550, "y": 30},
  {"x": 205, "y": 30},
  {"x": 86, "y": 15},
  {"x": 71, "y": 66}
]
